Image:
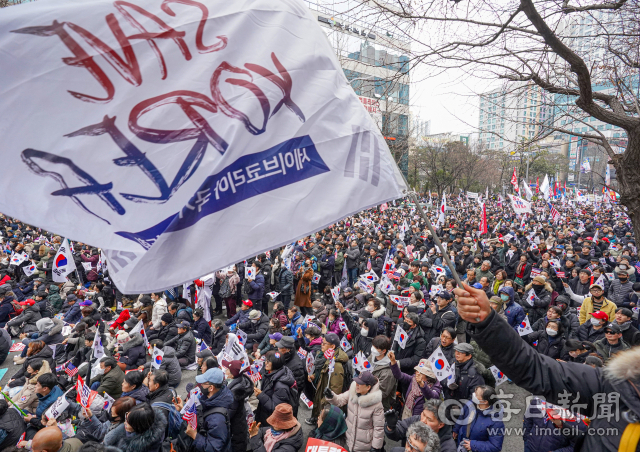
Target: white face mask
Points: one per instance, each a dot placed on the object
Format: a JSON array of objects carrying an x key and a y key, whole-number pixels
[
  {"x": 374, "y": 352},
  {"x": 99, "y": 371},
  {"x": 474, "y": 399},
  {"x": 594, "y": 321},
  {"x": 551, "y": 332},
  {"x": 364, "y": 332}
]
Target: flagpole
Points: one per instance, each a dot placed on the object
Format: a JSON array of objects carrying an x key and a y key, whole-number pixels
[
  {"x": 13, "y": 403},
  {"x": 412, "y": 195}
]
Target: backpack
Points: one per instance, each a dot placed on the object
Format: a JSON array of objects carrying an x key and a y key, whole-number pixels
[
  {"x": 174, "y": 419},
  {"x": 225, "y": 289},
  {"x": 217, "y": 410}
]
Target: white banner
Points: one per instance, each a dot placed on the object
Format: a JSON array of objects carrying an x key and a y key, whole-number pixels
[
  {"x": 519, "y": 205},
  {"x": 160, "y": 123}
]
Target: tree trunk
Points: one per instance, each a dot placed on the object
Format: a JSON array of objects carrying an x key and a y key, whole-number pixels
[{"x": 627, "y": 167}]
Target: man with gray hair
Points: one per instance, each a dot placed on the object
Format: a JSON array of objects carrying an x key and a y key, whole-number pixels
[
  {"x": 485, "y": 272},
  {"x": 420, "y": 438}
]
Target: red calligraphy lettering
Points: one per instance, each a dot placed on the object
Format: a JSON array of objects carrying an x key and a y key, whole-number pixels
[{"x": 205, "y": 15}]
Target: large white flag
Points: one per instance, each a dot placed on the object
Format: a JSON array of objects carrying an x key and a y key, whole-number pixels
[
  {"x": 63, "y": 263},
  {"x": 443, "y": 209},
  {"x": 160, "y": 123},
  {"x": 527, "y": 190},
  {"x": 519, "y": 205},
  {"x": 544, "y": 187}
]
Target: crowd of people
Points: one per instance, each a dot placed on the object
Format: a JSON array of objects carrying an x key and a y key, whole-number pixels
[{"x": 362, "y": 322}]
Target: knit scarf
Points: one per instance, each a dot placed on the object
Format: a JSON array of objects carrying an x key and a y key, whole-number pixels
[
  {"x": 270, "y": 440},
  {"x": 413, "y": 394}
]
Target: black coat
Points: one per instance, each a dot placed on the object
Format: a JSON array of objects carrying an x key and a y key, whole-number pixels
[
  {"x": 557, "y": 381},
  {"x": 202, "y": 330},
  {"x": 184, "y": 345},
  {"x": 255, "y": 331},
  {"x": 46, "y": 353},
  {"x": 553, "y": 349},
  {"x": 467, "y": 378},
  {"x": 218, "y": 339},
  {"x": 410, "y": 356},
  {"x": 448, "y": 352},
  {"x": 291, "y": 444},
  {"x": 433, "y": 324},
  {"x": 297, "y": 368},
  {"x": 360, "y": 343},
  {"x": 587, "y": 332},
  {"x": 242, "y": 389},
  {"x": 276, "y": 389},
  {"x": 12, "y": 423}
]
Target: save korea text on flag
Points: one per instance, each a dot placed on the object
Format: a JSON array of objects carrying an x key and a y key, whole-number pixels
[{"x": 209, "y": 129}]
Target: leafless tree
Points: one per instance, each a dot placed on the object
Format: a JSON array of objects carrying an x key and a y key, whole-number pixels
[{"x": 584, "y": 55}]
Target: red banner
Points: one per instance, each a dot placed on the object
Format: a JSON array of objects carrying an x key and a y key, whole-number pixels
[{"x": 317, "y": 445}]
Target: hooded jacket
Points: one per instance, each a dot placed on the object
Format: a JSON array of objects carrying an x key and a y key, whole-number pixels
[
  {"x": 54, "y": 298},
  {"x": 540, "y": 304},
  {"x": 26, "y": 321},
  {"x": 410, "y": 356},
  {"x": 50, "y": 331},
  {"x": 514, "y": 312},
  {"x": 217, "y": 438},
  {"x": 321, "y": 381},
  {"x": 276, "y": 389},
  {"x": 388, "y": 384},
  {"x": 286, "y": 282},
  {"x": 365, "y": 418},
  {"x": 185, "y": 346},
  {"x": 133, "y": 353},
  {"x": 553, "y": 380},
  {"x": 433, "y": 324},
  {"x": 159, "y": 308},
  {"x": 148, "y": 441},
  {"x": 553, "y": 347},
  {"x": 171, "y": 365},
  {"x": 361, "y": 343},
  {"x": 12, "y": 423}
]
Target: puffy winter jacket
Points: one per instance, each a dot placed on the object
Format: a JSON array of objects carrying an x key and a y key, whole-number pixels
[
  {"x": 171, "y": 365},
  {"x": 255, "y": 331},
  {"x": 148, "y": 441},
  {"x": 241, "y": 388},
  {"x": 218, "y": 339},
  {"x": 184, "y": 345},
  {"x": 257, "y": 288},
  {"x": 365, "y": 418},
  {"x": 484, "y": 426},
  {"x": 218, "y": 435},
  {"x": 413, "y": 350},
  {"x": 291, "y": 444},
  {"x": 514, "y": 312},
  {"x": 27, "y": 320},
  {"x": 286, "y": 282},
  {"x": 133, "y": 353},
  {"x": 276, "y": 389}
]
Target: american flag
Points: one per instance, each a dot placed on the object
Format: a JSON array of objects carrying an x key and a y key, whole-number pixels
[
  {"x": 255, "y": 376},
  {"x": 637, "y": 267},
  {"x": 71, "y": 370},
  {"x": 555, "y": 215},
  {"x": 190, "y": 413}
]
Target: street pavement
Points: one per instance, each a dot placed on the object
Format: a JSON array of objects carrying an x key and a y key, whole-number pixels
[{"x": 514, "y": 395}]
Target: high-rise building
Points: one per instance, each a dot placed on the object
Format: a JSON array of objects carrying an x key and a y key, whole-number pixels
[
  {"x": 511, "y": 115},
  {"x": 373, "y": 47}
]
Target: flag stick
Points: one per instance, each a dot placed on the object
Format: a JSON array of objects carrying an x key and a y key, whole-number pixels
[
  {"x": 13, "y": 403},
  {"x": 414, "y": 198}
]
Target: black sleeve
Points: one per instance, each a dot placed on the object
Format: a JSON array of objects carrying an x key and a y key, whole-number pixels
[{"x": 532, "y": 371}]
